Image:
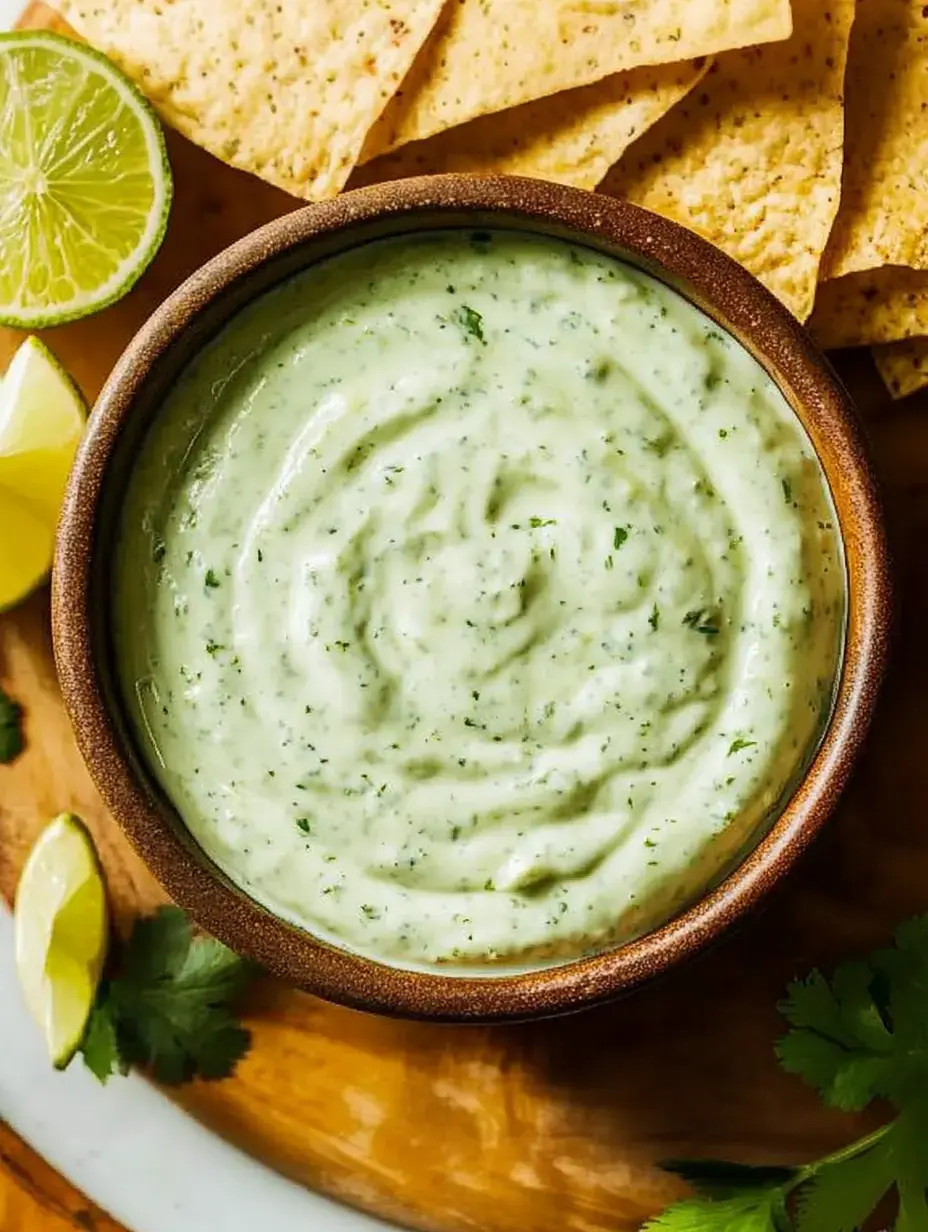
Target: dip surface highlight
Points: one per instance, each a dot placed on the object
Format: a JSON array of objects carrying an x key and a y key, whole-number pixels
[{"x": 477, "y": 600}]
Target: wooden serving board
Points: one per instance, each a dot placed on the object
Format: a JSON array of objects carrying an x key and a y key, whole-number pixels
[{"x": 535, "y": 1128}]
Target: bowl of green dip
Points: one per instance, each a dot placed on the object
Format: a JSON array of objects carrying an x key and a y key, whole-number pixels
[{"x": 471, "y": 596}]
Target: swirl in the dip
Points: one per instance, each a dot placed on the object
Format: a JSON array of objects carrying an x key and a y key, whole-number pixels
[{"x": 477, "y": 600}]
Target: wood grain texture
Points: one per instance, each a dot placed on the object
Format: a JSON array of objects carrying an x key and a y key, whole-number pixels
[
  {"x": 548, "y": 1127},
  {"x": 34, "y": 1198}
]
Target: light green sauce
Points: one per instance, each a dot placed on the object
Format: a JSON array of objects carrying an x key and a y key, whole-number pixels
[{"x": 477, "y": 600}]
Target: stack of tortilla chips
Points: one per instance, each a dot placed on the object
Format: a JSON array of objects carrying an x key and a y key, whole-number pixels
[{"x": 792, "y": 133}]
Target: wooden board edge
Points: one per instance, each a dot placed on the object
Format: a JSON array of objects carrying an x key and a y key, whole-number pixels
[{"x": 36, "y": 1198}]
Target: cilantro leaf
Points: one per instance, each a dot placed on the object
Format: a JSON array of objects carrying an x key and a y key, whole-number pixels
[
  {"x": 909, "y": 1144},
  {"x": 171, "y": 1006},
  {"x": 159, "y": 943},
  {"x": 840, "y": 1043},
  {"x": 913, "y": 1211},
  {"x": 901, "y": 987},
  {"x": 100, "y": 1047},
  {"x": 719, "y": 1178},
  {"x": 841, "y": 1196},
  {"x": 759, "y": 1210},
  {"x": 11, "y": 728},
  {"x": 860, "y": 1036}
]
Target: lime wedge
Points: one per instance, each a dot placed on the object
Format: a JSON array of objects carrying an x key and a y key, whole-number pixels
[
  {"x": 42, "y": 416},
  {"x": 25, "y": 559},
  {"x": 61, "y": 933},
  {"x": 85, "y": 186}
]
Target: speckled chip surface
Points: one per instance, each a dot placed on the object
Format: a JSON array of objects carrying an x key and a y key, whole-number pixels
[
  {"x": 752, "y": 158},
  {"x": 884, "y": 211},
  {"x": 571, "y": 138},
  {"x": 880, "y": 305},
  {"x": 903, "y": 366},
  {"x": 286, "y": 90},
  {"x": 489, "y": 55}
]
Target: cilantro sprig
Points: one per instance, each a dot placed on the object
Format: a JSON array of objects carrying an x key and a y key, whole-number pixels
[
  {"x": 170, "y": 1005},
  {"x": 858, "y": 1037}
]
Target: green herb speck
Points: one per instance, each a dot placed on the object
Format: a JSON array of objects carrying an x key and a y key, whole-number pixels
[
  {"x": 703, "y": 620},
  {"x": 471, "y": 322},
  {"x": 659, "y": 445}
]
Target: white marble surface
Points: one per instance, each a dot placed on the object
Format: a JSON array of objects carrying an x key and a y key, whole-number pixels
[
  {"x": 134, "y": 1152},
  {"x": 9, "y": 10},
  {"x": 141, "y": 1158}
]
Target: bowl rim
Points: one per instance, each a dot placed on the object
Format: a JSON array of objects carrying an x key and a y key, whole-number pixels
[{"x": 718, "y": 286}]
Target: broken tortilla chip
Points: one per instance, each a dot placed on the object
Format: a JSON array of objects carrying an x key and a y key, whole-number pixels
[
  {"x": 903, "y": 366},
  {"x": 881, "y": 305},
  {"x": 492, "y": 55},
  {"x": 571, "y": 138},
  {"x": 287, "y": 90},
  {"x": 752, "y": 158},
  {"x": 883, "y": 218}
]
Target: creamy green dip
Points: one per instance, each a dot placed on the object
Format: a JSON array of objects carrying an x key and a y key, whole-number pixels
[{"x": 477, "y": 600}]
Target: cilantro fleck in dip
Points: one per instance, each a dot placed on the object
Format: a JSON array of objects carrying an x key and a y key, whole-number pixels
[{"x": 477, "y": 600}]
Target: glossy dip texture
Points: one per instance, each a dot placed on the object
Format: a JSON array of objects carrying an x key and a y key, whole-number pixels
[{"x": 477, "y": 600}]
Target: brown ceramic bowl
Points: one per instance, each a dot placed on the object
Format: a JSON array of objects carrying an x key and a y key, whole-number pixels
[{"x": 131, "y": 398}]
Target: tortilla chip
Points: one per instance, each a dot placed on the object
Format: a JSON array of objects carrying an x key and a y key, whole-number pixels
[
  {"x": 883, "y": 218},
  {"x": 491, "y": 55},
  {"x": 752, "y": 159},
  {"x": 572, "y": 138},
  {"x": 903, "y": 366},
  {"x": 287, "y": 90},
  {"x": 882, "y": 305}
]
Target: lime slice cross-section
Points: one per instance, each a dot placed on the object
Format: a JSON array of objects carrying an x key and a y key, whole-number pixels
[
  {"x": 61, "y": 933},
  {"x": 85, "y": 185}
]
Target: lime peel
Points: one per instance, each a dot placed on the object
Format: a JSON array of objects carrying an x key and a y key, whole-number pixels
[{"x": 61, "y": 931}]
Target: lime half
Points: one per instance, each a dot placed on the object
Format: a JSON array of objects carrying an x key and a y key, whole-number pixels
[
  {"x": 42, "y": 416},
  {"x": 85, "y": 186},
  {"x": 61, "y": 933}
]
